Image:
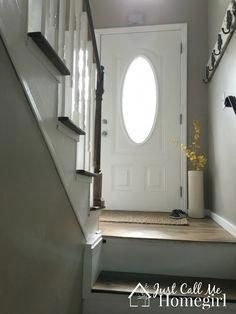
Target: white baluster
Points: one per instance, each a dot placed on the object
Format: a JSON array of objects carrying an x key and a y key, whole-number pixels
[
  {"x": 69, "y": 48},
  {"x": 81, "y": 146},
  {"x": 69, "y": 33},
  {"x": 45, "y": 17},
  {"x": 92, "y": 123},
  {"x": 92, "y": 113},
  {"x": 35, "y": 15},
  {"x": 61, "y": 28},
  {"x": 82, "y": 61},
  {"x": 61, "y": 53},
  {"x": 87, "y": 102},
  {"x": 53, "y": 23},
  {"x": 75, "y": 96}
]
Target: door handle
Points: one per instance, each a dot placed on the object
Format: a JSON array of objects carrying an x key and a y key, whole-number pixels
[{"x": 104, "y": 133}]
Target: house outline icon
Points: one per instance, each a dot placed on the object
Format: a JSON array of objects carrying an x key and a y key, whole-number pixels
[{"x": 145, "y": 296}]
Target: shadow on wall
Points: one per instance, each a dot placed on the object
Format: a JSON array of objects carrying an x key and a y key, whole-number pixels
[{"x": 41, "y": 241}]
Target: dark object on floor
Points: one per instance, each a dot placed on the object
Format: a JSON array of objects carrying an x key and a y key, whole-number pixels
[
  {"x": 178, "y": 214},
  {"x": 183, "y": 213}
]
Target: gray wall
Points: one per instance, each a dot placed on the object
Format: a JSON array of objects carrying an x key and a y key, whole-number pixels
[
  {"x": 114, "y": 13},
  {"x": 40, "y": 239},
  {"x": 222, "y": 123}
]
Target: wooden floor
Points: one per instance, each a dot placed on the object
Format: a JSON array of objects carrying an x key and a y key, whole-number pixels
[
  {"x": 117, "y": 282},
  {"x": 198, "y": 230}
]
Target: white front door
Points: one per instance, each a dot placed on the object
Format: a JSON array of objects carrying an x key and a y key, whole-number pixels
[{"x": 141, "y": 118}]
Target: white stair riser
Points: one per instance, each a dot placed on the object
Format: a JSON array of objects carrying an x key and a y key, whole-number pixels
[
  {"x": 101, "y": 303},
  {"x": 214, "y": 260}
]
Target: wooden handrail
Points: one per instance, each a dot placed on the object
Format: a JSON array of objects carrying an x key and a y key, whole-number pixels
[
  {"x": 98, "y": 202},
  {"x": 87, "y": 8}
]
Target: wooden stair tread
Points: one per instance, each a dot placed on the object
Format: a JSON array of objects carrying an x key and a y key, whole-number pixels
[
  {"x": 69, "y": 123},
  {"x": 49, "y": 52},
  {"x": 87, "y": 173},
  {"x": 124, "y": 283}
]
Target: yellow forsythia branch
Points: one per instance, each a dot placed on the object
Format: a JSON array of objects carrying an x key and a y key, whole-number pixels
[{"x": 198, "y": 161}]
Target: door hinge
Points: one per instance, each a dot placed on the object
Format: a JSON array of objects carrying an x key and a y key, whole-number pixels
[
  {"x": 181, "y": 48},
  {"x": 181, "y": 118},
  {"x": 181, "y": 191}
]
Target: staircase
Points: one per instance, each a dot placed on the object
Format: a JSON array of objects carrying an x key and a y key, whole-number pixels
[
  {"x": 53, "y": 49},
  {"x": 57, "y": 63},
  {"x": 121, "y": 259}
]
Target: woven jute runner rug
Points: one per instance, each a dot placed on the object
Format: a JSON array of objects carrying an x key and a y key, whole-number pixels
[{"x": 141, "y": 218}]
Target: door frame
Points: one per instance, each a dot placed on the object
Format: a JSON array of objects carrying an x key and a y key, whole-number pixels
[{"x": 183, "y": 28}]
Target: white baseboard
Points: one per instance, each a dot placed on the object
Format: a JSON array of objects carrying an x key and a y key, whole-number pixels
[{"x": 228, "y": 226}]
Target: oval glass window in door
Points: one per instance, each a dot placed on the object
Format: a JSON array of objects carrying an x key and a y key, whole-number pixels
[{"x": 139, "y": 100}]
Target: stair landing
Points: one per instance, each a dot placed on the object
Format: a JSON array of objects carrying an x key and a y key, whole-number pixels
[{"x": 198, "y": 230}]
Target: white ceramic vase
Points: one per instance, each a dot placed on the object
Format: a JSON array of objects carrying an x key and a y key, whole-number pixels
[{"x": 195, "y": 194}]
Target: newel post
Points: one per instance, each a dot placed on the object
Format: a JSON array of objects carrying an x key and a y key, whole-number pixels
[{"x": 97, "y": 191}]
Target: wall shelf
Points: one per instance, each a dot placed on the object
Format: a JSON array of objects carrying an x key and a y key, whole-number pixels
[
  {"x": 49, "y": 52},
  {"x": 68, "y": 123}
]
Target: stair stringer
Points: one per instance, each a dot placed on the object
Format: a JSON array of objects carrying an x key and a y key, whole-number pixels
[{"x": 40, "y": 81}]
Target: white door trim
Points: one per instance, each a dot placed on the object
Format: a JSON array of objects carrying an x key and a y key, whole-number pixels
[{"x": 184, "y": 57}]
